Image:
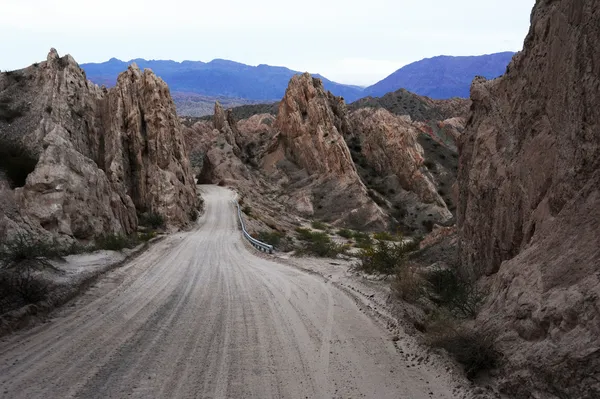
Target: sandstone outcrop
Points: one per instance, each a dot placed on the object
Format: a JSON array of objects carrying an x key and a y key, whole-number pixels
[
  {"x": 100, "y": 156},
  {"x": 310, "y": 157},
  {"x": 386, "y": 147},
  {"x": 529, "y": 207}
]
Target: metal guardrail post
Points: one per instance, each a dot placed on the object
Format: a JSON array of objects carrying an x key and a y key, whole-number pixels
[{"x": 261, "y": 246}]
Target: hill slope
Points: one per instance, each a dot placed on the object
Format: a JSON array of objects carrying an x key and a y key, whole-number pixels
[
  {"x": 216, "y": 78},
  {"x": 443, "y": 76}
]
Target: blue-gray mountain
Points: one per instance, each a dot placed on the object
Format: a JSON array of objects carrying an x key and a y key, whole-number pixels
[
  {"x": 217, "y": 78},
  {"x": 196, "y": 85},
  {"x": 442, "y": 77}
]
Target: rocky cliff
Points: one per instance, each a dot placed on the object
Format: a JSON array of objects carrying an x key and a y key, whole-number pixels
[
  {"x": 529, "y": 212},
  {"x": 310, "y": 155},
  {"x": 97, "y": 157},
  {"x": 392, "y": 162}
]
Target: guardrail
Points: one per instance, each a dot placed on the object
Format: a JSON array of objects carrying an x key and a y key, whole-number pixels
[{"x": 261, "y": 246}]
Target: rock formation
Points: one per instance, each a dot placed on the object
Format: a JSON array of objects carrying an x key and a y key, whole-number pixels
[
  {"x": 529, "y": 212},
  {"x": 386, "y": 146},
  {"x": 99, "y": 156},
  {"x": 310, "y": 156}
]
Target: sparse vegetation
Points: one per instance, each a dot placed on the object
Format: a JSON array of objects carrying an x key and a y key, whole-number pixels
[
  {"x": 363, "y": 240},
  {"x": 20, "y": 256},
  {"x": 146, "y": 236},
  {"x": 460, "y": 296},
  {"x": 271, "y": 238},
  {"x": 346, "y": 233},
  {"x": 408, "y": 284},
  {"x": 475, "y": 351},
  {"x": 385, "y": 236},
  {"x": 152, "y": 220},
  {"x": 116, "y": 242},
  {"x": 319, "y": 225},
  {"x": 24, "y": 251},
  {"x": 193, "y": 215},
  {"x": 384, "y": 257},
  {"x": 318, "y": 243}
]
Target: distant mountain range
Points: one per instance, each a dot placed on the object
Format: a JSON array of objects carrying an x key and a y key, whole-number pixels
[
  {"x": 442, "y": 77},
  {"x": 198, "y": 84},
  {"x": 217, "y": 78}
]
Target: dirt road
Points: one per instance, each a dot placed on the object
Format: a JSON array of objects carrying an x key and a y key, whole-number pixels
[{"x": 199, "y": 316}]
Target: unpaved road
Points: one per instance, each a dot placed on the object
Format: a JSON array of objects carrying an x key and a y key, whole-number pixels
[{"x": 199, "y": 316}]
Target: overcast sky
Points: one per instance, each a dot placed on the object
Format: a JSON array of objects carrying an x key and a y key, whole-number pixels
[{"x": 349, "y": 41}]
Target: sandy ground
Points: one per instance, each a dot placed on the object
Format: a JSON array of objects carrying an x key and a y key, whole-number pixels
[{"x": 199, "y": 315}]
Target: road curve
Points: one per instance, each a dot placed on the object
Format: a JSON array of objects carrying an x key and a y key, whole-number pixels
[{"x": 199, "y": 316}]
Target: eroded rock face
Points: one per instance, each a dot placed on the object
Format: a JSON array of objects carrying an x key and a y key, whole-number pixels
[
  {"x": 387, "y": 145},
  {"x": 100, "y": 153},
  {"x": 529, "y": 211},
  {"x": 144, "y": 146},
  {"x": 312, "y": 121},
  {"x": 312, "y": 158}
]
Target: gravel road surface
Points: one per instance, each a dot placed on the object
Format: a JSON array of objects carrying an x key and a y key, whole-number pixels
[{"x": 198, "y": 315}]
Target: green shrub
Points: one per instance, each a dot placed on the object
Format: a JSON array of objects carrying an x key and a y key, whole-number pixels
[
  {"x": 385, "y": 236},
  {"x": 115, "y": 242},
  {"x": 345, "y": 233},
  {"x": 153, "y": 220},
  {"x": 247, "y": 210},
  {"x": 460, "y": 296},
  {"x": 363, "y": 240},
  {"x": 319, "y": 225},
  {"x": 271, "y": 238},
  {"x": 146, "y": 236},
  {"x": 318, "y": 244},
  {"x": 384, "y": 257}
]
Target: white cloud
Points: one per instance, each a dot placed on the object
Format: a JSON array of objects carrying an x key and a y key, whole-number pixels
[{"x": 350, "y": 41}]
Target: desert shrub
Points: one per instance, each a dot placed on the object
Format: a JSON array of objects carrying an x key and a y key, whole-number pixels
[
  {"x": 345, "y": 233},
  {"x": 385, "y": 236},
  {"x": 475, "y": 351},
  {"x": 30, "y": 288},
  {"x": 460, "y": 296},
  {"x": 381, "y": 257},
  {"x": 408, "y": 284},
  {"x": 318, "y": 244},
  {"x": 363, "y": 240},
  {"x": 153, "y": 220},
  {"x": 146, "y": 236},
  {"x": 318, "y": 225},
  {"x": 115, "y": 242},
  {"x": 271, "y": 238},
  {"x": 384, "y": 257},
  {"x": 24, "y": 251},
  {"x": 247, "y": 210},
  {"x": 193, "y": 215}
]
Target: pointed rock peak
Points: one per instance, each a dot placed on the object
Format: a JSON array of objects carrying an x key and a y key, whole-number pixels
[
  {"x": 219, "y": 119},
  {"x": 52, "y": 55}
]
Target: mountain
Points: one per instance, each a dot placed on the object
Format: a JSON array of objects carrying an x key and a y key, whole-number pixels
[
  {"x": 218, "y": 78},
  {"x": 443, "y": 76}
]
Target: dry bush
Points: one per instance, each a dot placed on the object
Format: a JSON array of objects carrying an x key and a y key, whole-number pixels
[
  {"x": 474, "y": 350},
  {"x": 408, "y": 284}
]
